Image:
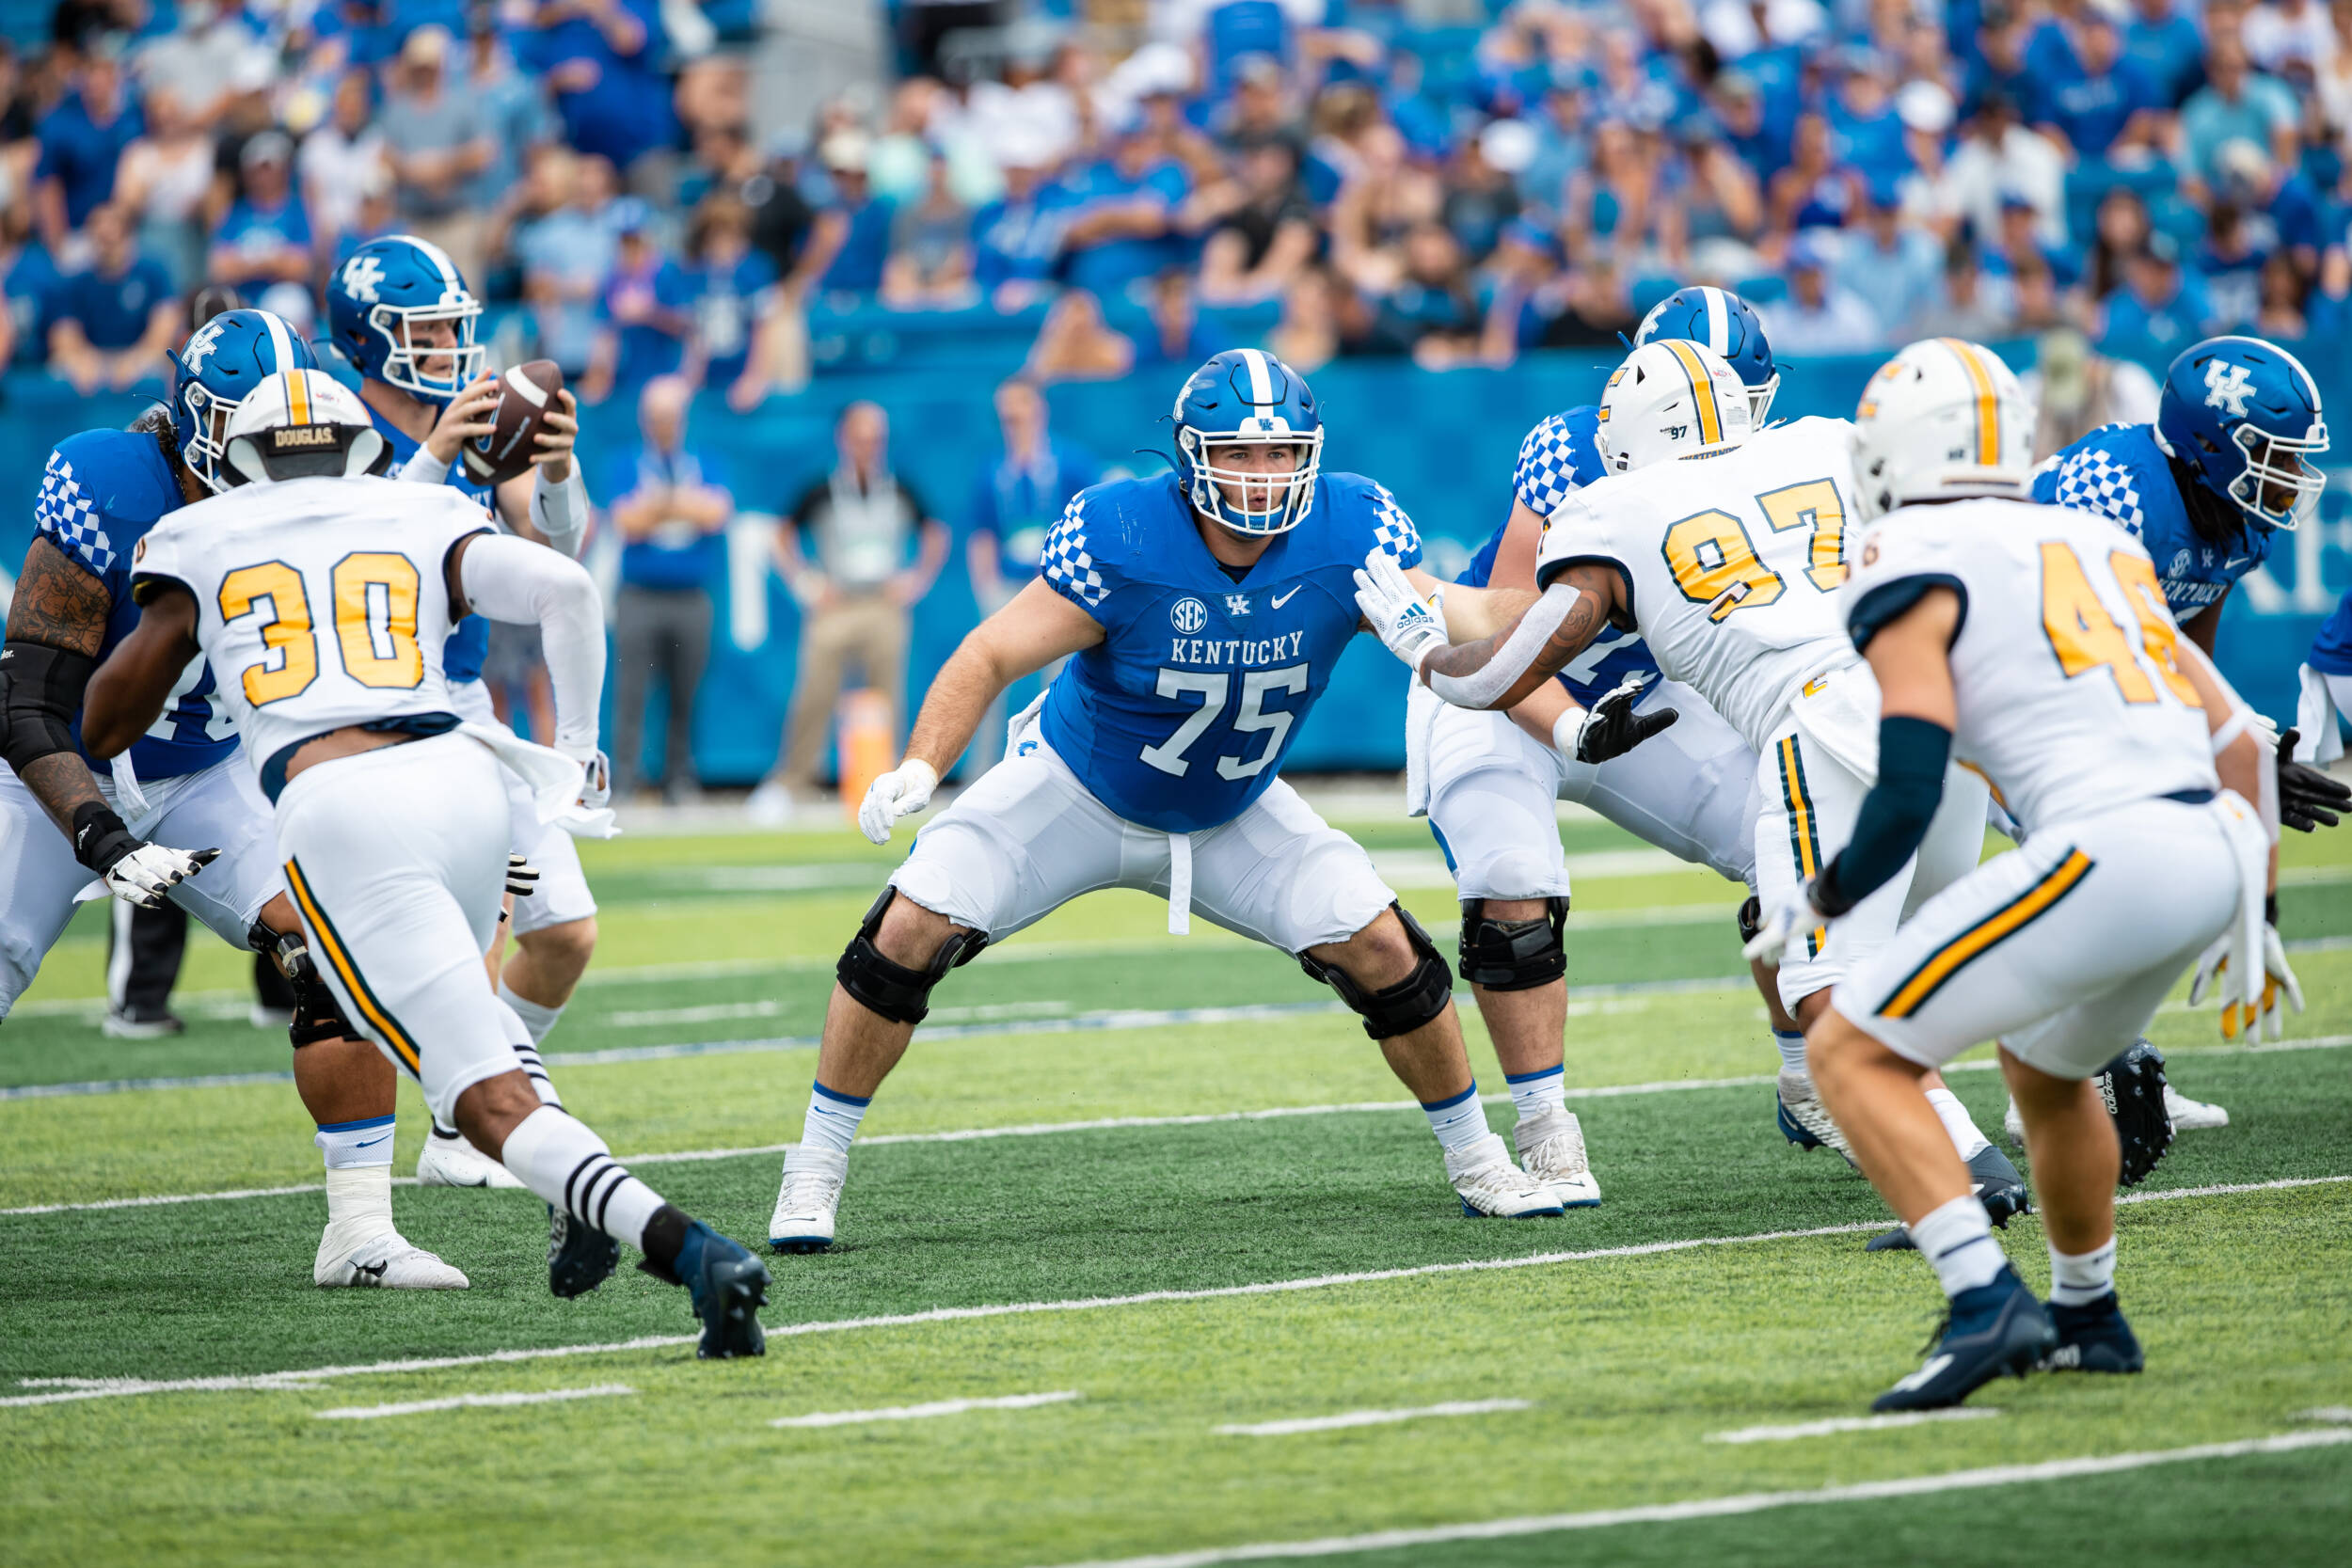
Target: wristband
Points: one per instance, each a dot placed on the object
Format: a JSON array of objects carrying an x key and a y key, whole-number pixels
[
  {"x": 2270, "y": 909},
  {"x": 100, "y": 836}
]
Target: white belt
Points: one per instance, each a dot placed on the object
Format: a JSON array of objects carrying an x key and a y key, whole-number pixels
[{"x": 1178, "y": 884}]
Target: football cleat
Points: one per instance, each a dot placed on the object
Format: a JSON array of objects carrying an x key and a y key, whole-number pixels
[
  {"x": 1995, "y": 1330},
  {"x": 139, "y": 1024},
  {"x": 2192, "y": 1116},
  {"x": 1804, "y": 1119},
  {"x": 810, "y": 1195},
  {"x": 456, "y": 1162},
  {"x": 579, "y": 1257},
  {"x": 1552, "y": 1151},
  {"x": 1998, "y": 1186},
  {"x": 385, "y": 1261},
  {"x": 2093, "y": 1339},
  {"x": 728, "y": 1287},
  {"x": 1489, "y": 1186}
]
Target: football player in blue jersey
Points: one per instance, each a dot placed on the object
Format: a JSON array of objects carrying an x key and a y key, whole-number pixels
[
  {"x": 1202, "y": 611},
  {"x": 191, "y": 805},
  {"x": 402, "y": 314}
]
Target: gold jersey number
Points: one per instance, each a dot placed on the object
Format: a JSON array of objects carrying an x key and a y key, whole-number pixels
[
  {"x": 1714, "y": 559},
  {"x": 374, "y": 600},
  {"x": 2085, "y": 637}
]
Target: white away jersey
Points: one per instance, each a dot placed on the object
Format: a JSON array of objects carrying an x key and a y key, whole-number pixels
[
  {"x": 2071, "y": 698},
  {"x": 320, "y": 602},
  {"x": 1732, "y": 564}
]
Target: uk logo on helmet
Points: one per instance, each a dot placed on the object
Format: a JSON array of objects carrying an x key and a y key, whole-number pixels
[
  {"x": 361, "y": 275},
  {"x": 205, "y": 340},
  {"x": 2227, "y": 387}
]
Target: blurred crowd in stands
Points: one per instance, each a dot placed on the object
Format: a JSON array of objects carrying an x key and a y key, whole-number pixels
[{"x": 1431, "y": 177}]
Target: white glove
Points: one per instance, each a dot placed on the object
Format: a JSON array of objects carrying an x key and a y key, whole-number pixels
[
  {"x": 148, "y": 874},
  {"x": 1781, "y": 925},
  {"x": 2277, "y": 979},
  {"x": 1410, "y": 627},
  {"x": 596, "y": 787},
  {"x": 896, "y": 794}
]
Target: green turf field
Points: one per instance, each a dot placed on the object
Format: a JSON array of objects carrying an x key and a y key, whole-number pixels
[{"x": 1156, "y": 1203}]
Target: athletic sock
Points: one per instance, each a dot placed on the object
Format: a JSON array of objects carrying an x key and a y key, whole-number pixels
[
  {"x": 563, "y": 1161},
  {"x": 1957, "y": 1237},
  {"x": 1537, "y": 1094},
  {"x": 355, "y": 1145},
  {"x": 540, "y": 1020},
  {"x": 2079, "y": 1279},
  {"x": 832, "y": 1118},
  {"x": 1957, "y": 1126},
  {"x": 527, "y": 1055},
  {"x": 1459, "y": 1120},
  {"x": 1792, "y": 1051}
]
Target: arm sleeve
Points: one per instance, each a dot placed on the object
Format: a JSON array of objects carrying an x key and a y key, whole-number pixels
[
  {"x": 1894, "y": 816},
  {"x": 512, "y": 579}
]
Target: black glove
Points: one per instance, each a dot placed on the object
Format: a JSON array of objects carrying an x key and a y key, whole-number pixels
[
  {"x": 2132, "y": 1087},
  {"x": 1611, "y": 728},
  {"x": 2307, "y": 796}
]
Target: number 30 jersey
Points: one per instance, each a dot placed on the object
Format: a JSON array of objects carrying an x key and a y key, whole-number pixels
[
  {"x": 1730, "y": 563},
  {"x": 2071, "y": 696},
  {"x": 320, "y": 602},
  {"x": 1180, "y": 716}
]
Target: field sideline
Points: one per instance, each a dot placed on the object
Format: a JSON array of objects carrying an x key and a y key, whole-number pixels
[{"x": 1149, "y": 1261}]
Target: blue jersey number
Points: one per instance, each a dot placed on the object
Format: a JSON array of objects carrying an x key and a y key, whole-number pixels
[
  {"x": 191, "y": 715},
  {"x": 1251, "y": 716}
]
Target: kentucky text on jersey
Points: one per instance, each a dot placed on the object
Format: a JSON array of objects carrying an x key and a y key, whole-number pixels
[
  {"x": 101, "y": 493},
  {"x": 1180, "y": 716},
  {"x": 2119, "y": 472}
]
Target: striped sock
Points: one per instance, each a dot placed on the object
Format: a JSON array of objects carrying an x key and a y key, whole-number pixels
[
  {"x": 1957, "y": 1237},
  {"x": 527, "y": 1055},
  {"x": 1792, "y": 1051},
  {"x": 832, "y": 1118},
  {"x": 1533, "y": 1094},
  {"x": 1459, "y": 1120},
  {"x": 2079, "y": 1279},
  {"x": 565, "y": 1163}
]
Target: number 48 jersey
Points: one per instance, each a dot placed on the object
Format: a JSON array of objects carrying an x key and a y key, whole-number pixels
[
  {"x": 322, "y": 602},
  {"x": 2071, "y": 696},
  {"x": 1180, "y": 716},
  {"x": 1730, "y": 564}
]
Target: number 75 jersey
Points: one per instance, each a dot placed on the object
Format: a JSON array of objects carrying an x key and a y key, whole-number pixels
[
  {"x": 2065, "y": 666},
  {"x": 320, "y": 602},
  {"x": 1730, "y": 563}
]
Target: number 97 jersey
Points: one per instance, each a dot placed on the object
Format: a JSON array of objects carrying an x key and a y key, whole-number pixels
[
  {"x": 320, "y": 602},
  {"x": 2070, "y": 691},
  {"x": 1730, "y": 564}
]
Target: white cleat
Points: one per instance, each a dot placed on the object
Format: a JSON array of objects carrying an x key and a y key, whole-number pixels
[
  {"x": 811, "y": 1194},
  {"x": 1489, "y": 1184},
  {"x": 1804, "y": 1119},
  {"x": 2192, "y": 1116},
  {"x": 456, "y": 1162},
  {"x": 770, "y": 805},
  {"x": 1552, "y": 1151},
  {"x": 386, "y": 1261}
]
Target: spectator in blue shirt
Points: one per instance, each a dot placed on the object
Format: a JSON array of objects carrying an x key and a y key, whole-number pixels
[
  {"x": 598, "y": 58},
  {"x": 1016, "y": 238},
  {"x": 2230, "y": 263},
  {"x": 1892, "y": 265},
  {"x": 1865, "y": 129},
  {"x": 1122, "y": 218},
  {"x": 112, "y": 323},
  {"x": 2096, "y": 99},
  {"x": 515, "y": 106},
  {"x": 644, "y": 312},
  {"x": 81, "y": 141},
  {"x": 565, "y": 254},
  {"x": 671, "y": 508},
  {"x": 265, "y": 239},
  {"x": 2163, "y": 38},
  {"x": 2237, "y": 103},
  {"x": 732, "y": 291},
  {"x": 849, "y": 242},
  {"x": 2160, "y": 310}
]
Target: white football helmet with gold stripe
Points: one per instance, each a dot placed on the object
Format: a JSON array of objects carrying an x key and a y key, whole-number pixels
[
  {"x": 1670, "y": 398},
  {"x": 301, "y": 424},
  {"x": 1943, "y": 418}
]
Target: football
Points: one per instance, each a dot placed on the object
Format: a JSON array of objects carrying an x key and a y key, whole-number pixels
[{"x": 526, "y": 392}]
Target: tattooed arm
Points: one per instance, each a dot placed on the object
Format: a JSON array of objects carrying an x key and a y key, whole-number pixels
[
  {"x": 1498, "y": 670},
  {"x": 59, "y": 622}
]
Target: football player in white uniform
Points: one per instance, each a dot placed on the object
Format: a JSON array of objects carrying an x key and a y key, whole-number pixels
[
  {"x": 2032, "y": 642},
  {"x": 324, "y": 595},
  {"x": 1724, "y": 550}
]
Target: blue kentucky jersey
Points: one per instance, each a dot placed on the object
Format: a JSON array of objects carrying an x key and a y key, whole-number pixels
[
  {"x": 2331, "y": 650},
  {"x": 1559, "y": 459},
  {"x": 2119, "y": 472},
  {"x": 469, "y": 643},
  {"x": 103, "y": 490},
  {"x": 1180, "y": 716}
]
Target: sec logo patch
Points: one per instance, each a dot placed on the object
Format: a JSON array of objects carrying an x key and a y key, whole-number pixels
[{"x": 1188, "y": 615}]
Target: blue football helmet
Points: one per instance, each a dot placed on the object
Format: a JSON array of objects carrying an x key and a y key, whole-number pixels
[
  {"x": 216, "y": 370},
  {"x": 1247, "y": 396},
  {"x": 2242, "y": 414},
  {"x": 379, "y": 299},
  {"x": 1729, "y": 325}
]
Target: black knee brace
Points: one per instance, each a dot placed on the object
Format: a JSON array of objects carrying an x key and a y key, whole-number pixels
[
  {"x": 1514, "y": 955},
  {"x": 1405, "y": 1007},
  {"x": 897, "y": 992},
  {"x": 1750, "y": 919},
  {"x": 317, "y": 1016}
]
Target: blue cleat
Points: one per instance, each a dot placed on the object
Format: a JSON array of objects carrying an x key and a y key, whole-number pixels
[
  {"x": 1802, "y": 1119},
  {"x": 2093, "y": 1339},
  {"x": 728, "y": 1287},
  {"x": 1998, "y": 1186},
  {"x": 1995, "y": 1330},
  {"x": 580, "y": 1258}
]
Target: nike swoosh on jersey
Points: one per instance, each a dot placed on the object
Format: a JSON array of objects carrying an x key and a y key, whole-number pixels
[
  {"x": 1279, "y": 600},
  {"x": 2234, "y": 566}
]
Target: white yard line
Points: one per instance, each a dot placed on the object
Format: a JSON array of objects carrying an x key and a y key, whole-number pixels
[
  {"x": 924, "y": 1411},
  {"x": 470, "y": 1402},
  {"x": 1852, "y": 1423},
  {"x": 1372, "y": 1417},
  {"x": 64, "y": 1391},
  {"x": 1723, "y": 1507}
]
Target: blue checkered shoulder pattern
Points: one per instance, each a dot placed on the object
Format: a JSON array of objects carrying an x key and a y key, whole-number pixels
[
  {"x": 2092, "y": 479},
  {"x": 68, "y": 518},
  {"x": 1065, "y": 563},
  {"x": 1391, "y": 530},
  {"x": 1545, "y": 474}
]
